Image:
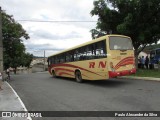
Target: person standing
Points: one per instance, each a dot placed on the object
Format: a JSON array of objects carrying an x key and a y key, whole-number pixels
[
  {"x": 142, "y": 62},
  {"x": 147, "y": 62},
  {"x": 8, "y": 73}
]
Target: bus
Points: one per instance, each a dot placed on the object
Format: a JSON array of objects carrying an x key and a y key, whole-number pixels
[
  {"x": 106, "y": 57},
  {"x": 154, "y": 57}
]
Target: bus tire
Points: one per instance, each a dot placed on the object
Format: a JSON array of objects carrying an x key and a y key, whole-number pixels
[
  {"x": 78, "y": 76},
  {"x": 54, "y": 74}
]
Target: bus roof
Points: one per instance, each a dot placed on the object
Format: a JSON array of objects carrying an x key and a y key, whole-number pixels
[{"x": 89, "y": 42}]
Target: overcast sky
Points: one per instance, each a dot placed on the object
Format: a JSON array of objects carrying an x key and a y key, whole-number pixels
[{"x": 52, "y": 36}]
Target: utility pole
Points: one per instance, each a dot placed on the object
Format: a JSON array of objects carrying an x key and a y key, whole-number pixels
[
  {"x": 1, "y": 43},
  {"x": 44, "y": 61},
  {"x": 1, "y": 50}
]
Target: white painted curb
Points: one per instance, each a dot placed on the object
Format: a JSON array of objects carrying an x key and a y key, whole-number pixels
[
  {"x": 25, "y": 109},
  {"x": 141, "y": 78}
]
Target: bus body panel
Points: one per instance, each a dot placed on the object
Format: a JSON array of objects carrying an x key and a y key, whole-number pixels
[
  {"x": 120, "y": 62},
  {"x": 121, "y": 65},
  {"x": 95, "y": 69},
  {"x": 115, "y": 63}
]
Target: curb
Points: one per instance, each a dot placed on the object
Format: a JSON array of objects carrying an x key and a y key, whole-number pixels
[
  {"x": 11, "y": 102},
  {"x": 141, "y": 78}
]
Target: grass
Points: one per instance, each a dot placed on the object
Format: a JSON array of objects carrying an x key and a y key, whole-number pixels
[{"x": 147, "y": 73}]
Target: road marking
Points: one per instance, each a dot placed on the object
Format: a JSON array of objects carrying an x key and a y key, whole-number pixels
[{"x": 25, "y": 109}]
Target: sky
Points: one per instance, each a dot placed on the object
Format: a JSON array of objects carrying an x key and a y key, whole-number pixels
[{"x": 52, "y": 37}]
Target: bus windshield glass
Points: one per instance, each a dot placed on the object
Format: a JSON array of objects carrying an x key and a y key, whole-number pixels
[
  {"x": 120, "y": 43},
  {"x": 158, "y": 52},
  {"x": 152, "y": 54}
]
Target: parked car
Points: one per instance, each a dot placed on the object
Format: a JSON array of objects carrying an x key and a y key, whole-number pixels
[{"x": 154, "y": 57}]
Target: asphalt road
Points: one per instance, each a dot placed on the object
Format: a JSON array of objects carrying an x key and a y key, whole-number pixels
[{"x": 41, "y": 92}]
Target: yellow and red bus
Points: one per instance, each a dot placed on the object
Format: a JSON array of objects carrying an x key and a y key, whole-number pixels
[{"x": 99, "y": 59}]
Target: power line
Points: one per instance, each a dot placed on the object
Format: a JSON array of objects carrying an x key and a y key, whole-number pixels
[{"x": 53, "y": 21}]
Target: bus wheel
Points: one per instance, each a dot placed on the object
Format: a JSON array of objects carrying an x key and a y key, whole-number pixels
[
  {"x": 53, "y": 74},
  {"x": 78, "y": 76}
]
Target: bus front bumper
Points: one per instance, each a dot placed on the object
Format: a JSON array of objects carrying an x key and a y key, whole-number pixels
[{"x": 113, "y": 74}]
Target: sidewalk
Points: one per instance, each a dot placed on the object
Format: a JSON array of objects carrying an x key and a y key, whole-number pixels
[
  {"x": 9, "y": 101},
  {"x": 141, "y": 78}
]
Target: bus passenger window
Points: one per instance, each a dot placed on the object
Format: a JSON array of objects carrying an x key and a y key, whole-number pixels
[
  {"x": 76, "y": 55},
  {"x": 48, "y": 60},
  {"x": 68, "y": 57},
  {"x": 52, "y": 60},
  {"x": 62, "y": 58},
  {"x": 158, "y": 52},
  {"x": 56, "y": 59},
  {"x": 100, "y": 49}
]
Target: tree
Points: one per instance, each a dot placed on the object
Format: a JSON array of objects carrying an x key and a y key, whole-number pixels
[
  {"x": 139, "y": 19},
  {"x": 14, "y": 49},
  {"x": 27, "y": 59}
]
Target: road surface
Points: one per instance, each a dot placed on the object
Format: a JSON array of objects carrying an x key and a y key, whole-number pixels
[{"x": 41, "y": 92}]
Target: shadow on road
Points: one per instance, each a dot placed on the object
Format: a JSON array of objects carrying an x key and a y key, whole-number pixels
[
  {"x": 102, "y": 83},
  {"x": 107, "y": 83}
]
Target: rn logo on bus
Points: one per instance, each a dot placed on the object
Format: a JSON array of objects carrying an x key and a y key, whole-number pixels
[{"x": 101, "y": 64}]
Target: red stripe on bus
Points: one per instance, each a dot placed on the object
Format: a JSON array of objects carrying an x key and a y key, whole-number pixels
[
  {"x": 127, "y": 58},
  {"x": 61, "y": 73},
  {"x": 85, "y": 76},
  {"x": 57, "y": 69},
  {"x": 63, "y": 69},
  {"x": 74, "y": 66},
  {"x": 124, "y": 61}
]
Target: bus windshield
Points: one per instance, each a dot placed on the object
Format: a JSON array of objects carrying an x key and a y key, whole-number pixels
[
  {"x": 158, "y": 52},
  {"x": 120, "y": 43},
  {"x": 152, "y": 54}
]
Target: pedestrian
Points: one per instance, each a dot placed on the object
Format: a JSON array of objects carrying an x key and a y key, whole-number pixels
[
  {"x": 146, "y": 62},
  {"x": 142, "y": 62},
  {"x": 139, "y": 62},
  {"x": 8, "y": 74}
]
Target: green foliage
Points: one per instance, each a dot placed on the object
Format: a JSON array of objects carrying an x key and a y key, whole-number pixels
[
  {"x": 14, "y": 49},
  {"x": 147, "y": 73},
  {"x": 139, "y": 19},
  {"x": 27, "y": 59}
]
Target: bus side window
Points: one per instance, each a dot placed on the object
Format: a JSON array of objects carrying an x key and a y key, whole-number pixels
[
  {"x": 48, "y": 60},
  {"x": 68, "y": 57},
  {"x": 62, "y": 58},
  {"x": 104, "y": 49},
  {"x": 82, "y": 53},
  {"x": 90, "y": 51},
  {"x": 76, "y": 55},
  {"x": 100, "y": 49},
  {"x": 152, "y": 54},
  {"x": 72, "y": 56},
  {"x": 158, "y": 52},
  {"x": 52, "y": 60},
  {"x": 56, "y": 59}
]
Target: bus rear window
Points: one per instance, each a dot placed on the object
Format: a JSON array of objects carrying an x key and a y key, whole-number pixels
[{"x": 120, "y": 43}]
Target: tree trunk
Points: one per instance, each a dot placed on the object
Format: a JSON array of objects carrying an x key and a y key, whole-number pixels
[{"x": 136, "y": 58}]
